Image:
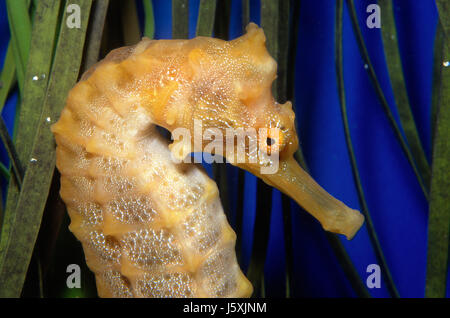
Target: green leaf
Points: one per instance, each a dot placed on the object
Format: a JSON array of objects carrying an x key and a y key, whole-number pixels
[
  {"x": 443, "y": 7},
  {"x": 206, "y": 14},
  {"x": 52, "y": 237},
  {"x": 43, "y": 38},
  {"x": 130, "y": 23},
  {"x": 245, "y": 13},
  {"x": 394, "y": 64},
  {"x": 39, "y": 174},
  {"x": 180, "y": 19},
  {"x": 382, "y": 98},
  {"x": 4, "y": 173},
  {"x": 8, "y": 76},
  {"x": 20, "y": 27},
  {"x": 17, "y": 167},
  {"x": 149, "y": 26},
  {"x": 438, "y": 58},
  {"x": 439, "y": 213},
  {"x": 362, "y": 200},
  {"x": 95, "y": 33},
  {"x": 7, "y": 80}
]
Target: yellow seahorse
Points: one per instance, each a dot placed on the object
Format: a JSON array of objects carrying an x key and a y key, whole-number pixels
[{"x": 153, "y": 227}]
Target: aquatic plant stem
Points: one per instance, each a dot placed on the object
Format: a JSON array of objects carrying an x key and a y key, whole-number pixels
[
  {"x": 180, "y": 19},
  {"x": 149, "y": 25},
  {"x": 382, "y": 98},
  {"x": 439, "y": 211},
  {"x": 394, "y": 64},
  {"x": 20, "y": 28},
  {"x": 206, "y": 14},
  {"x": 365, "y": 209},
  {"x": 95, "y": 33},
  {"x": 43, "y": 39},
  {"x": 17, "y": 167},
  {"x": 8, "y": 76},
  {"x": 38, "y": 176}
]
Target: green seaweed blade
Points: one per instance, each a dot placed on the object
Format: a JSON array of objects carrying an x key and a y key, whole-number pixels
[
  {"x": 20, "y": 26},
  {"x": 439, "y": 210},
  {"x": 149, "y": 25},
  {"x": 34, "y": 192},
  {"x": 180, "y": 19},
  {"x": 43, "y": 38},
  {"x": 394, "y": 64}
]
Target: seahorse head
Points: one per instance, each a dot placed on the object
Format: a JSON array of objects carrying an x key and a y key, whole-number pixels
[
  {"x": 220, "y": 93},
  {"x": 228, "y": 93}
]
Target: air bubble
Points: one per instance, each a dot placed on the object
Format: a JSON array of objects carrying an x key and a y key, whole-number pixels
[
  {"x": 446, "y": 63},
  {"x": 33, "y": 160},
  {"x": 35, "y": 78}
]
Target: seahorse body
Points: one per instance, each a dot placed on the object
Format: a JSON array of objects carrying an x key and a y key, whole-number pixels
[{"x": 151, "y": 227}]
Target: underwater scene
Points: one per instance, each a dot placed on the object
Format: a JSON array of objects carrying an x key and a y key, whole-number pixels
[{"x": 224, "y": 149}]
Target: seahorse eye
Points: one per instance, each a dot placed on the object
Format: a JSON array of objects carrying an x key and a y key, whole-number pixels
[
  {"x": 270, "y": 141},
  {"x": 273, "y": 143}
]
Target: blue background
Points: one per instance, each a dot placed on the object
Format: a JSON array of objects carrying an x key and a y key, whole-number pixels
[{"x": 398, "y": 208}]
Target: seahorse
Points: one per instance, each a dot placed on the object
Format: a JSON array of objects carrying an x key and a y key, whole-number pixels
[{"x": 152, "y": 226}]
